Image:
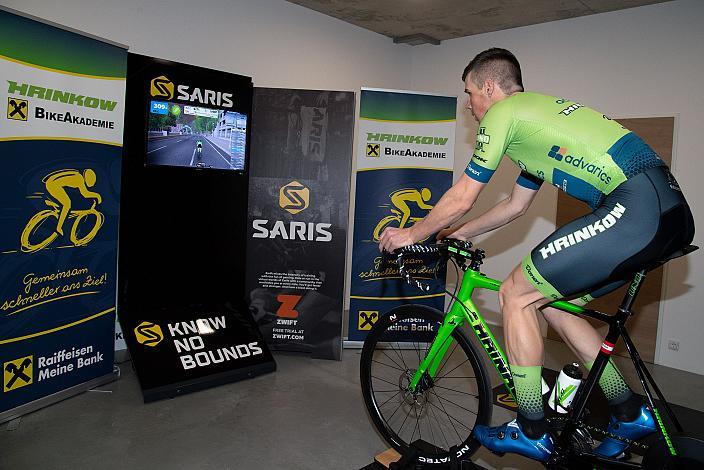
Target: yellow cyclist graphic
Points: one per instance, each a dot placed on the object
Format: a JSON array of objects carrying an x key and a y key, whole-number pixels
[
  {"x": 400, "y": 200},
  {"x": 34, "y": 237},
  {"x": 57, "y": 182}
]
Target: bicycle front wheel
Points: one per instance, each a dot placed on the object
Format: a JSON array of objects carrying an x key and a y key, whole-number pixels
[{"x": 440, "y": 417}]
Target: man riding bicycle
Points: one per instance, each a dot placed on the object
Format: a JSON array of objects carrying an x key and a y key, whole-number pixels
[
  {"x": 56, "y": 184},
  {"x": 639, "y": 217}
]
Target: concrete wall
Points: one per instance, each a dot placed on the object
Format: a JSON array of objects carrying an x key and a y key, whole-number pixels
[{"x": 641, "y": 62}]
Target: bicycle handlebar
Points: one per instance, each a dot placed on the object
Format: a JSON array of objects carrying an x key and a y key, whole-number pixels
[{"x": 449, "y": 247}]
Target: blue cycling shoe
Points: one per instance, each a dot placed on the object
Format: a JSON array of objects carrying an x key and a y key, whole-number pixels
[
  {"x": 510, "y": 438},
  {"x": 643, "y": 425}
]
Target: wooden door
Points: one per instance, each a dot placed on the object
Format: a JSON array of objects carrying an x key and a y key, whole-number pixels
[{"x": 643, "y": 326}]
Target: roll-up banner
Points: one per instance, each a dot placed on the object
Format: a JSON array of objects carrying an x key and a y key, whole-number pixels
[
  {"x": 298, "y": 211},
  {"x": 404, "y": 165},
  {"x": 182, "y": 235},
  {"x": 62, "y": 102}
]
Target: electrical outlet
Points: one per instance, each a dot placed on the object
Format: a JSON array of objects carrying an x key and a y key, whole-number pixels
[{"x": 673, "y": 345}]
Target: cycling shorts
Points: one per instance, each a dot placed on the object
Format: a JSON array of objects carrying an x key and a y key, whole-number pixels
[{"x": 642, "y": 221}]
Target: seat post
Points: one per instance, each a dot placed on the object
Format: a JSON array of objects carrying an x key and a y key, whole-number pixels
[{"x": 632, "y": 292}]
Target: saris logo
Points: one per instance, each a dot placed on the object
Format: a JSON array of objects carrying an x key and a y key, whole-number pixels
[
  {"x": 294, "y": 197},
  {"x": 148, "y": 334},
  {"x": 162, "y": 87}
]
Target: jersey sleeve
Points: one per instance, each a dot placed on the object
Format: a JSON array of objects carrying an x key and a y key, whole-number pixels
[
  {"x": 529, "y": 181},
  {"x": 493, "y": 137}
]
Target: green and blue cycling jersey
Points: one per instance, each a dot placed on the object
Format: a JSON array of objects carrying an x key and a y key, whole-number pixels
[{"x": 579, "y": 150}]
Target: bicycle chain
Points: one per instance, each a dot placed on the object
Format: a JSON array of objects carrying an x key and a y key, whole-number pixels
[{"x": 591, "y": 428}]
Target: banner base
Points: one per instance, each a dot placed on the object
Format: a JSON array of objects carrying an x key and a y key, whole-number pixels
[
  {"x": 59, "y": 396},
  {"x": 348, "y": 344}
]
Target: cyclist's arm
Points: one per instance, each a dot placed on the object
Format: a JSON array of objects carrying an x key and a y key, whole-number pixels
[
  {"x": 452, "y": 205},
  {"x": 493, "y": 136},
  {"x": 86, "y": 193},
  {"x": 514, "y": 206}
]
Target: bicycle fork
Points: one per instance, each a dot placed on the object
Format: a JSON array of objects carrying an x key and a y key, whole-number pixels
[{"x": 463, "y": 310}]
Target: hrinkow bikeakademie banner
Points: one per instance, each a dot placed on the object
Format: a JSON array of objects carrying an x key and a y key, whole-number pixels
[
  {"x": 61, "y": 107},
  {"x": 404, "y": 165}
]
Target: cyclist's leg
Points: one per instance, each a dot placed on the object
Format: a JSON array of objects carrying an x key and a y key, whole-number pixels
[
  {"x": 641, "y": 221},
  {"x": 529, "y": 433},
  {"x": 60, "y": 195}
]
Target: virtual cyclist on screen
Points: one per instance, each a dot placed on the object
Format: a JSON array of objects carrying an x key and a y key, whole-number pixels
[{"x": 640, "y": 216}]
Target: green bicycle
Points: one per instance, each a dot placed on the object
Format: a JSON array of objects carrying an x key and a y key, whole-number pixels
[{"x": 425, "y": 385}]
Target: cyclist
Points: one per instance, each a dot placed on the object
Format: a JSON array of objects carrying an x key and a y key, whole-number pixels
[
  {"x": 640, "y": 216},
  {"x": 199, "y": 147},
  {"x": 402, "y": 197},
  {"x": 56, "y": 184}
]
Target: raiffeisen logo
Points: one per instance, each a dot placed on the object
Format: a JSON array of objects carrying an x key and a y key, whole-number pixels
[
  {"x": 148, "y": 334},
  {"x": 294, "y": 197},
  {"x": 162, "y": 87}
]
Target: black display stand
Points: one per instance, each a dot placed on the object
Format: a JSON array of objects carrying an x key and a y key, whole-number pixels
[{"x": 182, "y": 244}]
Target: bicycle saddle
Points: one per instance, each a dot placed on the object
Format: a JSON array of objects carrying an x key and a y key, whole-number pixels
[{"x": 677, "y": 254}]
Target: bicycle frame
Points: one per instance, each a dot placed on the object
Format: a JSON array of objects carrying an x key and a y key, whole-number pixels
[{"x": 463, "y": 310}]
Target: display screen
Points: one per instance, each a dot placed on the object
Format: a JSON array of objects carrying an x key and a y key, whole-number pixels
[{"x": 194, "y": 136}]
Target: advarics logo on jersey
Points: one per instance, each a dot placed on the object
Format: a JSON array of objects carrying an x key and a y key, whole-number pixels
[
  {"x": 557, "y": 152},
  {"x": 294, "y": 198},
  {"x": 560, "y": 154}
]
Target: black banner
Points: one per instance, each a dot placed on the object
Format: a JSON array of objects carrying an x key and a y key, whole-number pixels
[
  {"x": 183, "y": 226},
  {"x": 298, "y": 212}
]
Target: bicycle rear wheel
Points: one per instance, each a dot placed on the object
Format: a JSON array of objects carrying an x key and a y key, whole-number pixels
[{"x": 443, "y": 415}]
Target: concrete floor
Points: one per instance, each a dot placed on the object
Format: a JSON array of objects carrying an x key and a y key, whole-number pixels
[{"x": 308, "y": 415}]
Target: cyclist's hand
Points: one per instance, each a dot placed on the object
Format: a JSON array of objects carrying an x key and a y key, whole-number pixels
[
  {"x": 450, "y": 232},
  {"x": 393, "y": 238}
]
